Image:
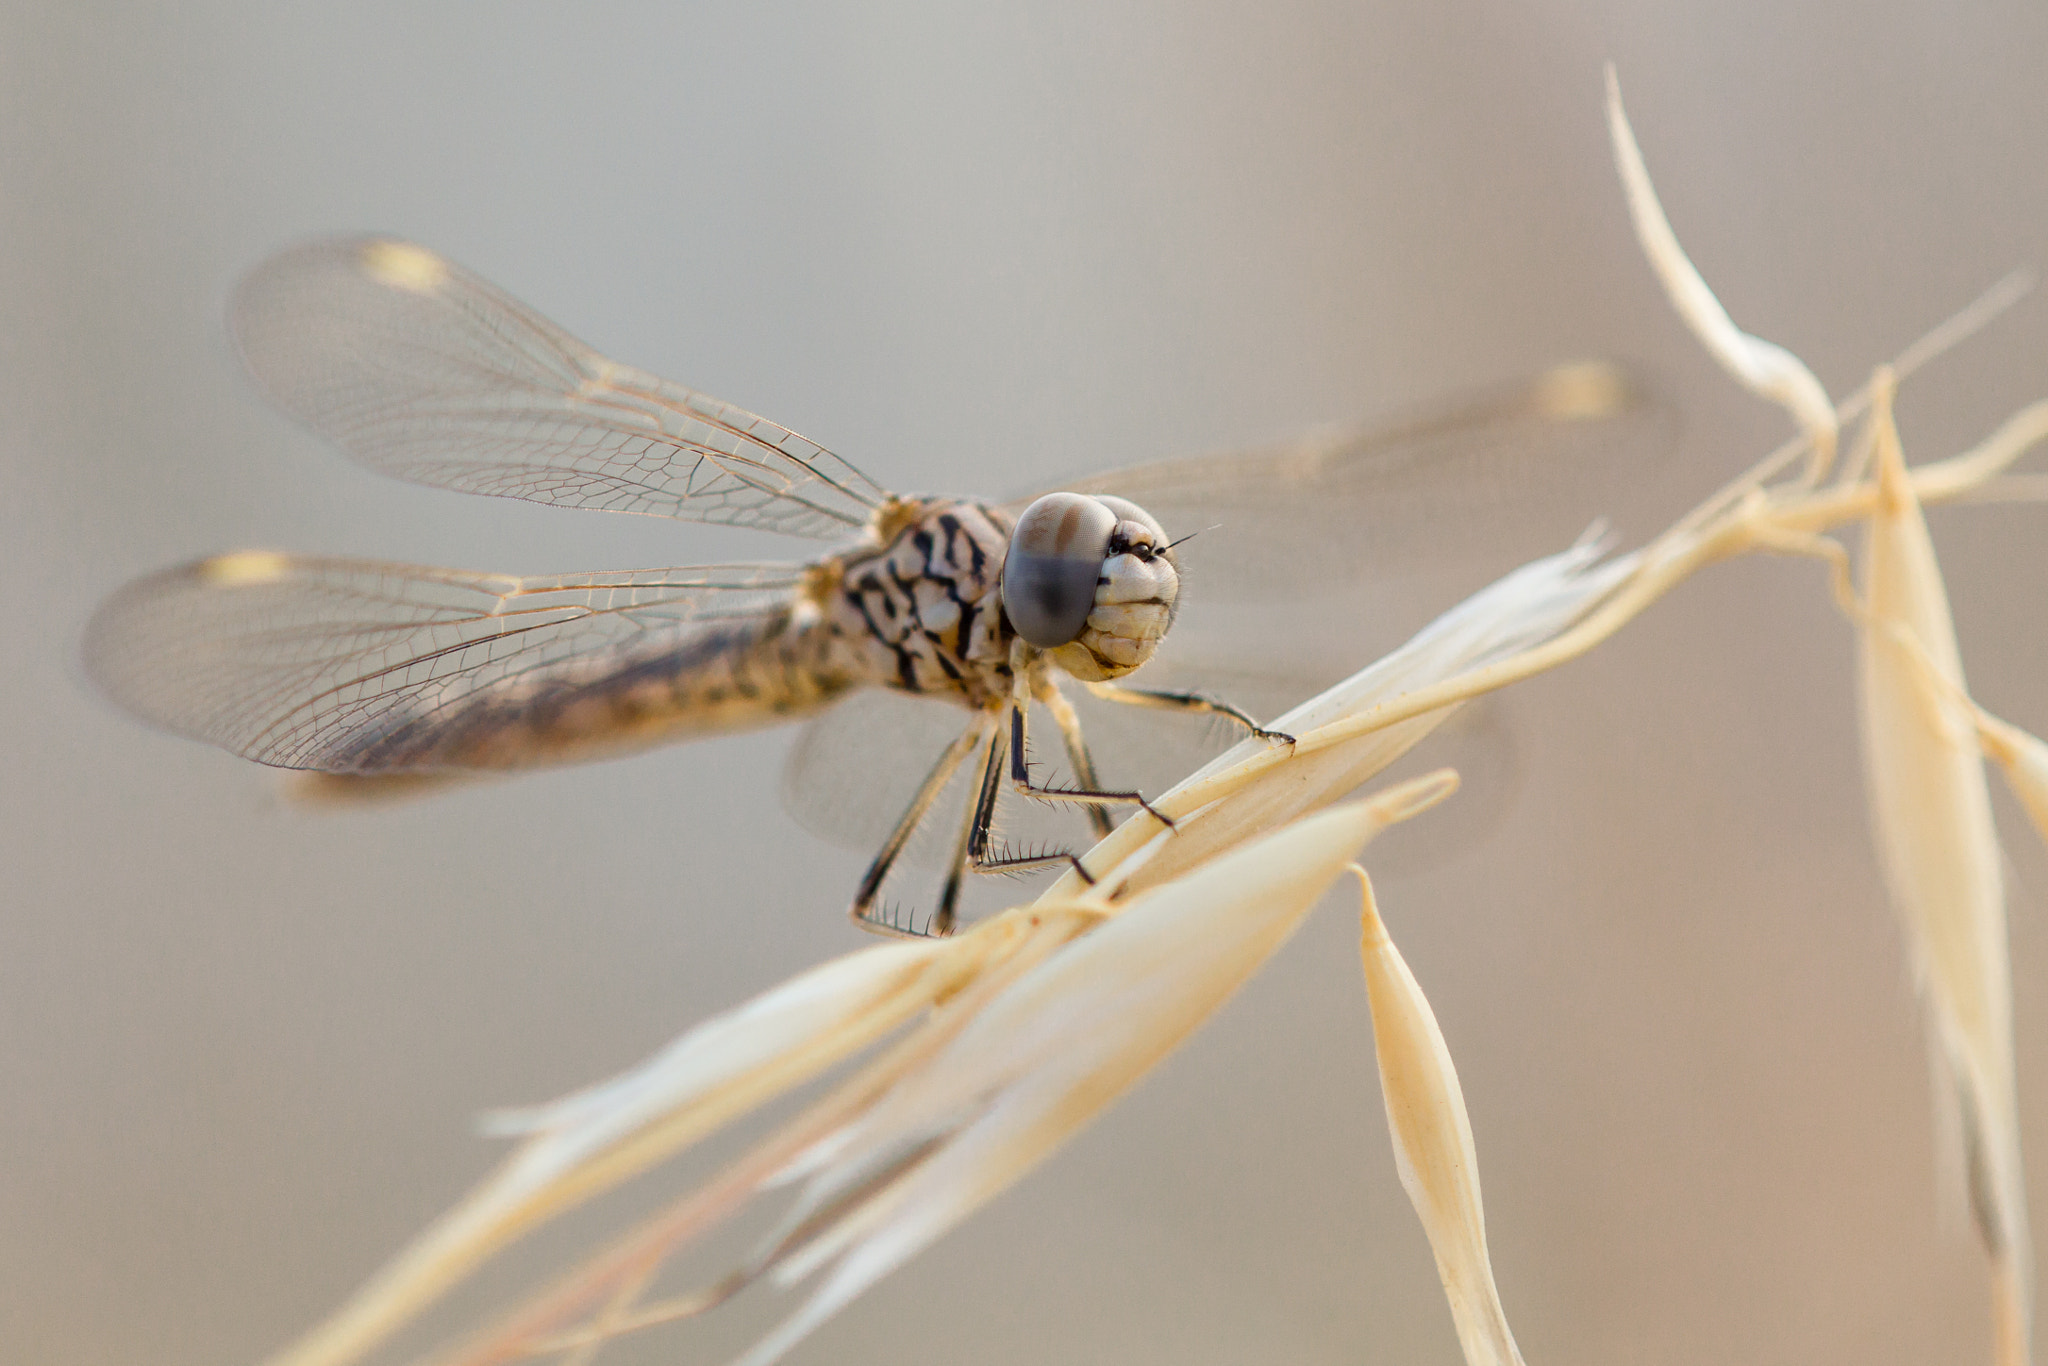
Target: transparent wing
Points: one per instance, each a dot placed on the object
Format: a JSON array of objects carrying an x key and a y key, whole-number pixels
[
  {"x": 422, "y": 370},
  {"x": 1503, "y": 476},
  {"x": 852, "y": 772},
  {"x": 362, "y": 667}
]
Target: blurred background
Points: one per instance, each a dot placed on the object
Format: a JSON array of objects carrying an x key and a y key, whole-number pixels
[{"x": 971, "y": 249}]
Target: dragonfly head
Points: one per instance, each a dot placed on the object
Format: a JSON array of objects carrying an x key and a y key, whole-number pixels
[{"x": 1091, "y": 581}]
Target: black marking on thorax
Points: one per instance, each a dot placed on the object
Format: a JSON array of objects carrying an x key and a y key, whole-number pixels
[{"x": 917, "y": 602}]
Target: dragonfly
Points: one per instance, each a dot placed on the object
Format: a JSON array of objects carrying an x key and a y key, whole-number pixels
[{"x": 379, "y": 675}]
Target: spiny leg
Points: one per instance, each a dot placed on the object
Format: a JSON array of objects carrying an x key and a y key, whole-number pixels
[
  {"x": 981, "y": 829},
  {"x": 972, "y": 822},
  {"x": 1020, "y": 776},
  {"x": 1048, "y": 692},
  {"x": 983, "y": 729},
  {"x": 1184, "y": 701}
]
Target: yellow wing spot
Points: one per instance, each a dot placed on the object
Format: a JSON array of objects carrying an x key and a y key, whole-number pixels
[
  {"x": 244, "y": 568},
  {"x": 404, "y": 266},
  {"x": 1586, "y": 390}
]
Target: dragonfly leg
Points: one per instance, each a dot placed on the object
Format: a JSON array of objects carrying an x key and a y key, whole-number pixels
[
  {"x": 981, "y": 828},
  {"x": 964, "y": 850},
  {"x": 862, "y": 912},
  {"x": 1184, "y": 701},
  {"x": 1020, "y": 778},
  {"x": 1048, "y": 692}
]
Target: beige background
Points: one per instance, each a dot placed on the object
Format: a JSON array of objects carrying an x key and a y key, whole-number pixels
[{"x": 240, "y": 1046}]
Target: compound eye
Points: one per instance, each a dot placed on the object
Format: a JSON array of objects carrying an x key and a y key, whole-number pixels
[
  {"x": 1128, "y": 511},
  {"x": 1054, "y": 561}
]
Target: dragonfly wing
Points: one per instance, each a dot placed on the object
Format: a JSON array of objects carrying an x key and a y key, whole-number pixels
[
  {"x": 853, "y": 771},
  {"x": 1501, "y": 475},
  {"x": 363, "y": 667},
  {"x": 420, "y": 369}
]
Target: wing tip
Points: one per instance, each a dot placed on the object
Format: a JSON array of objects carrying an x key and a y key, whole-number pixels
[
  {"x": 274, "y": 292},
  {"x": 135, "y": 627}
]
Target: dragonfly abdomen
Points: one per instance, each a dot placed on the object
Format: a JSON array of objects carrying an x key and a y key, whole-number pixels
[{"x": 719, "y": 679}]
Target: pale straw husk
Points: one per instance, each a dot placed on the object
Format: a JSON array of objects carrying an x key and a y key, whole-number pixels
[
  {"x": 1763, "y": 367},
  {"x": 1020, "y": 1043},
  {"x": 1930, "y": 803},
  {"x": 1939, "y": 849},
  {"x": 1433, "y": 1145}
]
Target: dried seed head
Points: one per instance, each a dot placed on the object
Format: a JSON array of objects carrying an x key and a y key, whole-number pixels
[
  {"x": 1433, "y": 1146},
  {"x": 1765, "y": 368},
  {"x": 1932, "y": 813}
]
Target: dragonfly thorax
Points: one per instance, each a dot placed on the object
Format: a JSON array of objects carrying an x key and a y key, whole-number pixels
[
  {"x": 1091, "y": 581},
  {"x": 937, "y": 604},
  {"x": 920, "y": 609}
]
